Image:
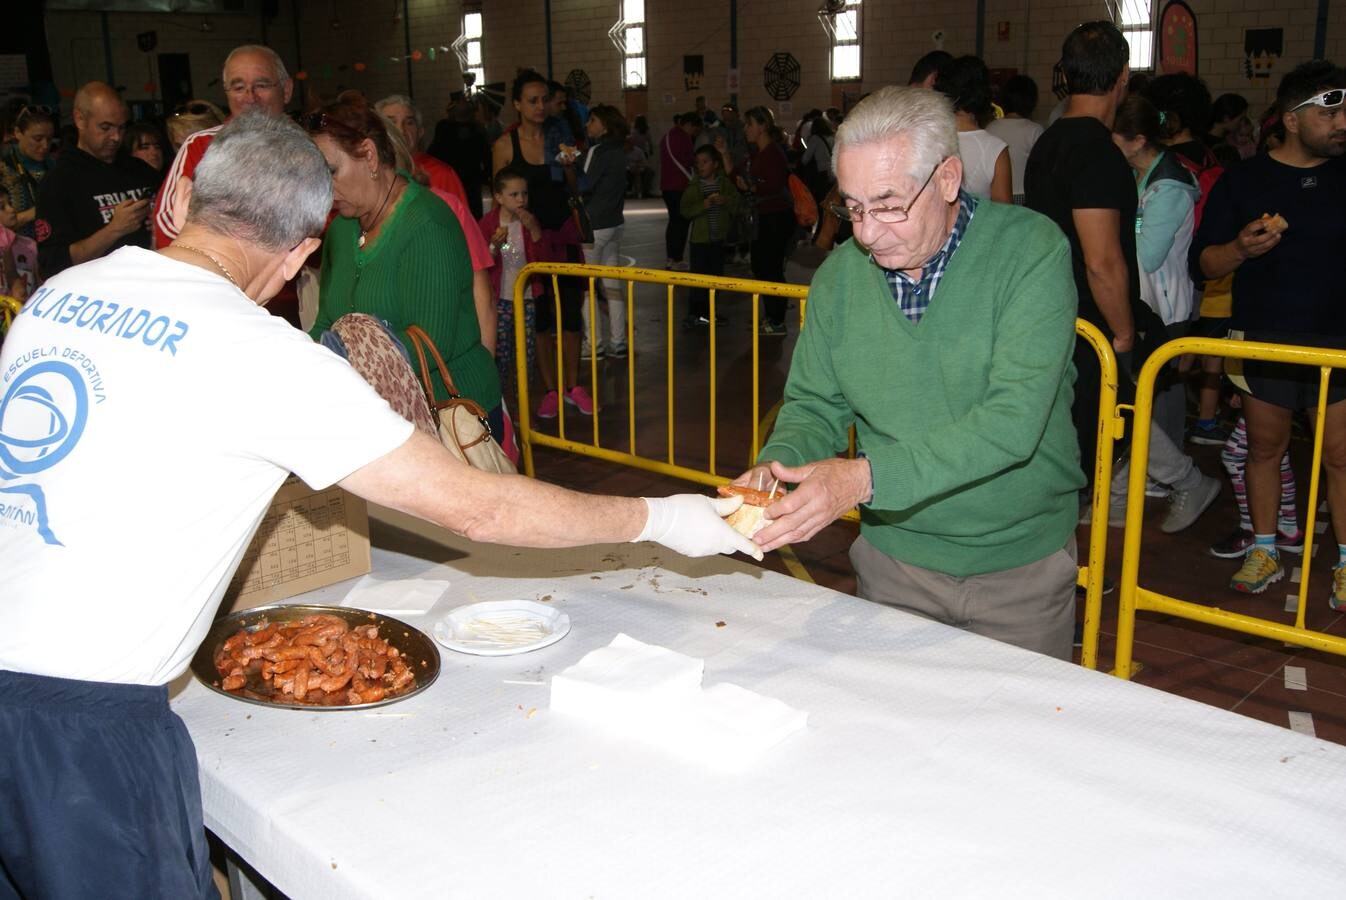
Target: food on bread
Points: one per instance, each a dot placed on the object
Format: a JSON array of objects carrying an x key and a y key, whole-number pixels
[
  {"x": 751, "y": 517},
  {"x": 1274, "y": 224}
]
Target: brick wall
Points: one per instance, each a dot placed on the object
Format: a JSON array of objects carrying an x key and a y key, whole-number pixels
[
  {"x": 1038, "y": 28},
  {"x": 75, "y": 40},
  {"x": 895, "y": 34}
]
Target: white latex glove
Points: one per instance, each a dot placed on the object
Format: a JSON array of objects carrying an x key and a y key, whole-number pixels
[{"x": 693, "y": 525}]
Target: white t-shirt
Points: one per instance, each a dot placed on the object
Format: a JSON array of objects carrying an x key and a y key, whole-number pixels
[
  {"x": 1019, "y": 135},
  {"x": 978, "y": 151},
  {"x": 148, "y": 413}
]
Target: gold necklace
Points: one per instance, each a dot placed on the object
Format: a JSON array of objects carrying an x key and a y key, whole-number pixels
[
  {"x": 210, "y": 256},
  {"x": 375, "y": 223}
]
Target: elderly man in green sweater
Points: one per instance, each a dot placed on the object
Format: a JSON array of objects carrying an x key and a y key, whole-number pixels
[{"x": 943, "y": 332}]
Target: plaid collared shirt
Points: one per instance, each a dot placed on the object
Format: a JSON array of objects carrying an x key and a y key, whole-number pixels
[{"x": 912, "y": 296}]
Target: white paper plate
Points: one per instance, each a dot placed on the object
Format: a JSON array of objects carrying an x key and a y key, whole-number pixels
[{"x": 467, "y": 628}]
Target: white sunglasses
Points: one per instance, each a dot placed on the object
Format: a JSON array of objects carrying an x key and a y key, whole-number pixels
[{"x": 1327, "y": 100}]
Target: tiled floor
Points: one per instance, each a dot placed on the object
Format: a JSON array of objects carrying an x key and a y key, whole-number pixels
[{"x": 1263, "y": 679}]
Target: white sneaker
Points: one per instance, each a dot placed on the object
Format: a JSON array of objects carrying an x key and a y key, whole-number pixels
[{"x": 1185, "y": 507}]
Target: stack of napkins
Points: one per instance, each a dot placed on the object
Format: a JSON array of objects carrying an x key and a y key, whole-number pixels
[
  {"x": 654, "y": 694},
  {"x": 398, "y": 596}
]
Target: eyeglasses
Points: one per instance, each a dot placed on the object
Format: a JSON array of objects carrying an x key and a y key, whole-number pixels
[
  {"x": 31, "y": 112},
  {"x": 1327, "y": 100},
  {"x": 197, "y": 108},
  {"x": 257, "y": 87},
  {"x": 321, "y": 123},
  {"x": 884, "y": 215}
]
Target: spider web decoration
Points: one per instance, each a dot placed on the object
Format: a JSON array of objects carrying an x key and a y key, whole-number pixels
[
  {"x": 780, "y": 76},
  {"x": 579, "y": 82}
]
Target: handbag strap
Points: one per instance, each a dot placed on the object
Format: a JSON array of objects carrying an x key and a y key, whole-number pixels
[{"x": 421, "y": 344}]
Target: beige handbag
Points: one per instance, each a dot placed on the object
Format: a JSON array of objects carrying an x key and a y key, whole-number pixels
[{"x": 463, "y": 428}]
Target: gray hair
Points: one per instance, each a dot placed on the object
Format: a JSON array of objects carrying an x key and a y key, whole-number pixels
[
  {"x": 924, "y": 118},
  {"x": 400, "y": 100},
  {"x": 277, "y": 63},
  {"x": 262, "y": 181}
]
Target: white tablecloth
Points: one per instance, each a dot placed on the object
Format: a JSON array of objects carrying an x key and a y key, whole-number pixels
[{"x": 935, "y": 764}]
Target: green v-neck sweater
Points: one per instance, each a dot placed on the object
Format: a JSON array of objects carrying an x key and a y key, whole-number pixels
[
  {"x": 417, "y": 272},
  {"x": 964, "y": 416}
]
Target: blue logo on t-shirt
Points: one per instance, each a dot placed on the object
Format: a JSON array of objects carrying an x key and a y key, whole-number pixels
[{"x": 42, "y": 416}]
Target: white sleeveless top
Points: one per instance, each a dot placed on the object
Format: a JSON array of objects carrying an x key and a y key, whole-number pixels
[{"x": 978, "y": 150}]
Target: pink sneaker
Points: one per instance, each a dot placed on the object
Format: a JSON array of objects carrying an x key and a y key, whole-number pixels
[
  {"x": 579, "y": 398},
  {"x": 549, "y": 405}
]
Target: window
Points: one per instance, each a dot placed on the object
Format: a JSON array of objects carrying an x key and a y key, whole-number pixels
[
  {"x": 1136, "y": 23},
  {"x": 470, "y": 59},
  {"x": 633, "y": 43},
  {"x": 844, "y": 27}
]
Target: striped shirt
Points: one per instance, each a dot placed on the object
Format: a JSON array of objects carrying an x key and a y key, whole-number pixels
[
  {"x": 913, "y": 296},
  {"x": 711, "y": 186}
]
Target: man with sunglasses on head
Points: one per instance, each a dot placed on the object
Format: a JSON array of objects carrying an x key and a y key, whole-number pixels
[
  {"x": 943, "y": 333},
  {"x": 254, "y": 77},
  {"x": 1287, "y": 290},
  {"x": 90, "y": 203}
]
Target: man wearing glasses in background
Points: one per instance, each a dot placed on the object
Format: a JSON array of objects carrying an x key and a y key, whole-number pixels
[
  {"x": 1288, "y": 276},
  {"x": 254, "y": 77},
  {"x": 943, "y": 333}
]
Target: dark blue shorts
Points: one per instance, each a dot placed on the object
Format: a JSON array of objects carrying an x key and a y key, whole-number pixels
[{"x": 99, "y": 794}]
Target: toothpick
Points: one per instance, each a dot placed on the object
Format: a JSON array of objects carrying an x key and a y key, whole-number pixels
[{"x": 775, "y": 484}]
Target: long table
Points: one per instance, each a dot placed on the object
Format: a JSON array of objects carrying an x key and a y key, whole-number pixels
[{"x": 935, "y": 763}]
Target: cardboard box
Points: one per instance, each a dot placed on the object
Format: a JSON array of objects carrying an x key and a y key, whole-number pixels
[{"x": 308, "y": 539}]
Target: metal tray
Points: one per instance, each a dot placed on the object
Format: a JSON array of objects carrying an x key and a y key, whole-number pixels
[{"x": 413, "y": 644}]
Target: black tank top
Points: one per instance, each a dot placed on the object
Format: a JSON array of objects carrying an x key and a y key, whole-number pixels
[{"x": 546, "y": 198}]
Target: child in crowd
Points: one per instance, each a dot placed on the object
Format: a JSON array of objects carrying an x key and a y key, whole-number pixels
[
  {"x": 13, "y": 286},
  {"x": 710, "y": 203},
  {"x": 515, "y": 236}
]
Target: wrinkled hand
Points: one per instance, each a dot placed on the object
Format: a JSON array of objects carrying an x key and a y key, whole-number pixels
[
  {"x": 693, "y": 525},
  {"x": 128, "y": 215},
  {"x": 827, "y": 489},
  {"x": 1254, "y": 240}
]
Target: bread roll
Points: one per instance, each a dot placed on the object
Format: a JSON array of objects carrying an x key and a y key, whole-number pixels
[
  {"x": 1274, "y": 224},
  {"x": 749, "y": 518}
]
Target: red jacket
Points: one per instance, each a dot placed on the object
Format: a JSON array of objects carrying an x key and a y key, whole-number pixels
[{"x": 533, "y": 251}]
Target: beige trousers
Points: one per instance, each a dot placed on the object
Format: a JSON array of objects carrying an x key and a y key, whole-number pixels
[{"x": 1031, "y": 606}]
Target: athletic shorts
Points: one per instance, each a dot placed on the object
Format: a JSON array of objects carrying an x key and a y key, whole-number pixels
[
  {"x": 100, "y": 797},
  {"x": 572, "y": 302},
  {"x": 1210, "y": 327},
  {"x": 1285, "y": 384}
]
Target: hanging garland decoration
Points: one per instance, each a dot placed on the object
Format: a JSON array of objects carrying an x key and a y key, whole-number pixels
[
  {"x": 780, "y": 76},
  {"x": 328, "y": 70},
  {"x": 579, "y": 82}
]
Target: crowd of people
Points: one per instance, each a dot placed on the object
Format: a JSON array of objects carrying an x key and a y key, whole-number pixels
[
  {"x": 411, "y": 242},
  {"x": 976, "y": 240}
]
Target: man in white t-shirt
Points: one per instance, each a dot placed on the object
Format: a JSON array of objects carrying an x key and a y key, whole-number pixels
[{"x": 142, "y": 437}]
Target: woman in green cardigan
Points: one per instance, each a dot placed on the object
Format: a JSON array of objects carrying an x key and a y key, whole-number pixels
[{"x": 396, "y": 251}]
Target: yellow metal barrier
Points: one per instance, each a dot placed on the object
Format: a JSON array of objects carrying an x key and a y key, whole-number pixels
[
  {"x": 1110, "y": 425},
  {"x": 632, "y": 276},
  {"x": 1133, "y": 597},
  {"x": 1110, "y": 429}
]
